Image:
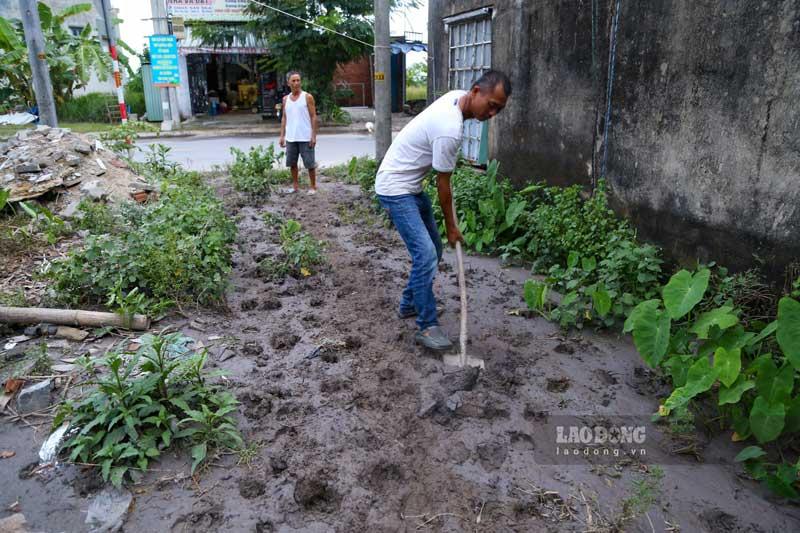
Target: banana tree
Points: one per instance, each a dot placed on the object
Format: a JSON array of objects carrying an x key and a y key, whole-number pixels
[{"x": 71, "y": 58}]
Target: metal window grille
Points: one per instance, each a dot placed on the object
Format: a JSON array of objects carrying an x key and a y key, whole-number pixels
[{"x": 470, "y": 57}]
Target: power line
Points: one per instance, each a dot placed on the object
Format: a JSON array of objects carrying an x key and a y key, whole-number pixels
[{"x": 314, "y": 24}]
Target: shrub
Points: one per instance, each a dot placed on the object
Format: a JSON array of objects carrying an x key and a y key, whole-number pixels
[
  {"x": 92, "y": 107},
  {"x": 175, "y": 249},
  {"x": 254, "y": 172}
]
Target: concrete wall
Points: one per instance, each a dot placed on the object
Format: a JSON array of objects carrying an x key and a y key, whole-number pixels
[{"x": 704, "y": 140}]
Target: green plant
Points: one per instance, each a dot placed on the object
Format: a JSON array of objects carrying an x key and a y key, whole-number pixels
[
  {"x": 13, "y": 299},
  {"x": 175, "y": 249},
  {"x": 646, "y": 491},
  {"x": 252, "y": 172},
  {"x": 301, "y": 254},
  {"x": 52, "y": 226},
  {"x": 4, "y": 195},
  {"x": 92, "y": 107},
  {"x": 96, "y": 217},
  {"x": 490, "y": 215},
  {"x": 122, "y": 138},
  {"x": 711, "y": 351},
  {"x": 144, "y": 403}
]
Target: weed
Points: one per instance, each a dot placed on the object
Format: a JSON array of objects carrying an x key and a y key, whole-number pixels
[
  {"x": 122, "y": 138},
  {"x": 45, "y": 221},
  {"x": 14, "y": 299},
  {"x": 301, "y": 254},
  {"x": 96, "y": 217},
  {"x": 254, "y": 172},
  {"x": 249, "y": 454},
  {"x": 646, "y": 493},
  {"x": 144, "y": 403}
]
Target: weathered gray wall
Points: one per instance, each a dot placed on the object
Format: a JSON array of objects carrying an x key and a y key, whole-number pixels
[{"x": 704, "y": 144}]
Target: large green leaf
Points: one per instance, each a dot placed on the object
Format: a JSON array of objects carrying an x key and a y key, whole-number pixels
[
  {"x": 734, "y": 393},
  {"x": 9, "y": 38},
  {"x": 721, "y": 317},
  {"x": 788, "y": 332},
  {"x": 684, "y": 291},
  {"x": 651, "y": 334},
  {"x": 636, "y": 314},
  {"x": 781, "y": 388},
  {"x": 602, "y": 301},
  {"x": 766, "y": 419},
  {"x": 699, "y": 379},
  {"x": 751, "y": 452},
  {"x": 728, "y": 363},
  {"x": 535, "y": 294}
]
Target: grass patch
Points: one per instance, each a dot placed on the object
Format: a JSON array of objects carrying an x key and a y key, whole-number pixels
[{"x": 416, "y": 92}]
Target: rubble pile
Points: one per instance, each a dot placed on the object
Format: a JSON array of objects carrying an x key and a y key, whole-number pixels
[{"x": 35, "y": 162}]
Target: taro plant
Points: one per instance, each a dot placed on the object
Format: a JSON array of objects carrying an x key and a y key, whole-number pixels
[
  {"x": 144, "y": 403},
  {"x": 751, "y": 375}
]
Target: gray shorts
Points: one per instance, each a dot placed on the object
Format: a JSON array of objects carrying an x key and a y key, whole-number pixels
[{"x": 301, "y": 148}]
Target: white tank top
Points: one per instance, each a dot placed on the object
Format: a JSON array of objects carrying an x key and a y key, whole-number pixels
[{"x": 298, "y": 121}]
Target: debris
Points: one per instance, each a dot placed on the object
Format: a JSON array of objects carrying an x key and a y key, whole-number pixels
[
  {"x": 27, "y": 168},
  {"x": 72, "y": 160},
  {"x": 94, "y": 190},
  {"x": 13, "y": 385},
  {"x": 73, "y": 334},
  {"x": 15, "y": 523},
  {"x": 108, "y": 509},
  {"x": 65, "y": 368},
  {"x": 34, "y": 397},
  {"x": 7, "y": 454},
  {"x": 49, "y": 450}
]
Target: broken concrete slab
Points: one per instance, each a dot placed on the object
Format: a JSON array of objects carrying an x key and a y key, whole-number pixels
[
  {"x": 34, "y": 397},
  {"x": 27, "y": 168},
  {"x": 15, "y": 523}
]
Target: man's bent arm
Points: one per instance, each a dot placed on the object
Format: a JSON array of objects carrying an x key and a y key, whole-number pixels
[
  {"x": 312, "y": 111},
  {"x": 446, "y": 201}
]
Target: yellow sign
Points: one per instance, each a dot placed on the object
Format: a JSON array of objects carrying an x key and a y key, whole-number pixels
[{"x": 380, "y": 76}]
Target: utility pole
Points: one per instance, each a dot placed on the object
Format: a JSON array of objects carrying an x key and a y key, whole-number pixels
[
  {"x": 34, "y": 40},
  {"x": 112, "y": 49},
  {"x": 169, "y": 98},
  {"x": 383, "y": 80}
]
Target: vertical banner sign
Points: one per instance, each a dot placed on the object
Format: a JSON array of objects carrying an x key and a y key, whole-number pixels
[{"x": 164, "y": 61}]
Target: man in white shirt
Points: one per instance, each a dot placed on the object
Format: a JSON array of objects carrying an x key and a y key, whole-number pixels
[
  {"x": 299, "y": 131},
  {"x": 431, "y": 140}
]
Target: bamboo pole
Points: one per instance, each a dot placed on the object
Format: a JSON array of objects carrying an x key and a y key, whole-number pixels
[{"x": 69, "y": 317}]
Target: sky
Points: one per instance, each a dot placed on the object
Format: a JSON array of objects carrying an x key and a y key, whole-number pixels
[{"x": 134, "y": 30}]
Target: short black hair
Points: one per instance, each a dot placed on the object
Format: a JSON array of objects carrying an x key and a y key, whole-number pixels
[
  {"x": 491, "y": 79},
  {"x": 292, "y": 73}
]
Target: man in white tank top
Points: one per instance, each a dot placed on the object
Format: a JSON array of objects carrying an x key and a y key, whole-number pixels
[{"x": 299, "y": 131}]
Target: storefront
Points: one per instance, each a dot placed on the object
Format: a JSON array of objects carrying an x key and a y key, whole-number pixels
[{"x": 219, "y": 80}]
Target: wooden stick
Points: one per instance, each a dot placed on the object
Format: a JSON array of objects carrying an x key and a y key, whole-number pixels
[
  {"x": 462, "y": 287},
  {"x": 69, "y": 317}
]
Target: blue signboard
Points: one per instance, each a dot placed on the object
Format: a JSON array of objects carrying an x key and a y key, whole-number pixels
[{"x": 164, "y": 60}]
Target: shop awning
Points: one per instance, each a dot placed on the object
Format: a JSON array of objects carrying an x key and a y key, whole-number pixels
[{"x": 404, "y": 48}]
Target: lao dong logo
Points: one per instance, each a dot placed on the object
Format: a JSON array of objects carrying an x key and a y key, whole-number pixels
[{"x": 600, "y": 435}]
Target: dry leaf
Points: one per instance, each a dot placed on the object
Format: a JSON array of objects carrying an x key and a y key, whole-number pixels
[
  {"x": 13, "y": 385},
  {"x": 5, "y": 454}
]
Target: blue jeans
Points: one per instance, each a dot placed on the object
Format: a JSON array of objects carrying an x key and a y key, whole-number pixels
[{"x": 412, "y": 215}]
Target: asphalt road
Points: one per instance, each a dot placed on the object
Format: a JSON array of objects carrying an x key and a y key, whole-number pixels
[{"x": 202, "y": 153}]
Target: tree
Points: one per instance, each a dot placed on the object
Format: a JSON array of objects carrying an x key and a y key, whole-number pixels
[
  {"x": 418, "y": 73},
  {"x": 70, "y": 58}
]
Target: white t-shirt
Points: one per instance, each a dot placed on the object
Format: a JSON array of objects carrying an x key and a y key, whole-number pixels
[{"x": 431, "y": 140}]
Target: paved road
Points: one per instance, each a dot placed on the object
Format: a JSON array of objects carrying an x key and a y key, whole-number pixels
[{"x": 198, "y": 153}]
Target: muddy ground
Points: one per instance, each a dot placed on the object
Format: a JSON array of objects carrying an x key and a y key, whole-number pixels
[{"x": 374, "y": 435}]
